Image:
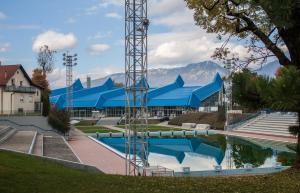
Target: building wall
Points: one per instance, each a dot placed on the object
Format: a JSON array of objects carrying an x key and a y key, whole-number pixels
[
  {"x": 19, "y": 101},
  {"x": 1, "y": 100},
  {"x": 18, "y": 77}
]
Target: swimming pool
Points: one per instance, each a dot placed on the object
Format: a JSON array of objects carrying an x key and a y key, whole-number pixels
[{"x": 205, "y": 152}]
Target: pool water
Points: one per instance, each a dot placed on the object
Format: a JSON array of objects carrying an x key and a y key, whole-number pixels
[{"x": 205, "y": 152}]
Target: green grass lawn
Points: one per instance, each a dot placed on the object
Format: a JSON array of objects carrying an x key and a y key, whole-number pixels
[
  {"x": 95, "y": 129},
  {"x": 86, "y": 123},
  {"x": 23, "y": 174},
  {"x": 156, "y": 128}
]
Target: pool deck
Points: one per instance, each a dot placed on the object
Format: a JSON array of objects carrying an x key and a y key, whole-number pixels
[
  {"x": 92, "y": 153},
  {"x": 258, "y": 136}
]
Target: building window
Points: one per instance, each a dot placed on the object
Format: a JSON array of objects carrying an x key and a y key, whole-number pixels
[
  {"x": 22, "y": 99},
  {"x": 21, "y": 83},
  {"x": 37, "y": 93},
  {"x": 30, "y": 99},
  {"x": 13, "y": 82}
]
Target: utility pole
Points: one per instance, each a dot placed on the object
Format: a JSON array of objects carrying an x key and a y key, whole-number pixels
[{"x": 136, "y": 69}]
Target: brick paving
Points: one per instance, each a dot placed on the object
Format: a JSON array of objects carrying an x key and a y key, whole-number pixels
[
  {"x": 92, "y": 153},
  {"x": 56, "y": 147}
]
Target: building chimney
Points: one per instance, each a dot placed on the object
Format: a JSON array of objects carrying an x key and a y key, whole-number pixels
[{"x": 88, "y": 82}]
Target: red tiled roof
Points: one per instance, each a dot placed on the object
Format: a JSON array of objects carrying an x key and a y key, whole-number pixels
[{"x": 6, "y": 72}]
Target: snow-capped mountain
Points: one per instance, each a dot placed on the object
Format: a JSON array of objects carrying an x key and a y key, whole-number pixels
[{"x": 192, "y": 74}]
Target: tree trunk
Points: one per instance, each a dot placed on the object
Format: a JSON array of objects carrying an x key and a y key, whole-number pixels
[{"x": 291, "y": 37}]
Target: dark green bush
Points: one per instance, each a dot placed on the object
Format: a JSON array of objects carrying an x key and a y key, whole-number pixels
[
  {"x": 59, "y": 119},
  {"x": 46, "y": 104}
]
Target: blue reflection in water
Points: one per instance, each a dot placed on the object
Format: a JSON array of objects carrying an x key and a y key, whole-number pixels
[{"x": 203, "y": 152}]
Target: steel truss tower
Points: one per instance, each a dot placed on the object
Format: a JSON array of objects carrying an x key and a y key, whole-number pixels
[
  {"x": 136, "y": 65},
  {"x": 69, "y": 62}
]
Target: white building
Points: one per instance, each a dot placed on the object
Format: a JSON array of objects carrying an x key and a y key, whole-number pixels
[{"x": 18, "y": 94}]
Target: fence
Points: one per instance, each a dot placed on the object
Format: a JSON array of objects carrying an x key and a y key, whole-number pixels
[{"x": 245, "y": 120}]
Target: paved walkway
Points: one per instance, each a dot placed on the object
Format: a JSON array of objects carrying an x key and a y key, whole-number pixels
[
  {"x": 258, "y": 136},
  {"x": 91, "y": 153},
  {"x": 20, "y": 141}
]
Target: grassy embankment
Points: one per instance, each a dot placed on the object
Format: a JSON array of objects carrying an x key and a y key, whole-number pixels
[
  {"x": 154, "y": 128},
  {"x": 23, "y": 174},
  {"x": 89, "y": 126}
]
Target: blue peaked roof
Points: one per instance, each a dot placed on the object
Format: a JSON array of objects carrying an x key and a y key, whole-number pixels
[
  {"x": 75, "y": 87},
  {"x": 108, "y": 96}
]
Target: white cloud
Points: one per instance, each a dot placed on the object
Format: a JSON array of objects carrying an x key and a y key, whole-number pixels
[
  {"x": 100, "y": 35},
  {"x": 57, "y": 77},
  {"x": 182, "y": 19},
  {"x": 71, "y": 20},
  {"x": 106, "y": 3},
  {"x": 165, "y": 7},
  {"x": 55, "y": 40},
  {"x": 180, "y": 48},
  {"x": 2, "y": 16},
  {"x": 92, "y": 10},
  {"x": 97, "y": 49},
  {"x": 113, "y": 15},
  {"x": 5, "y": 47}
]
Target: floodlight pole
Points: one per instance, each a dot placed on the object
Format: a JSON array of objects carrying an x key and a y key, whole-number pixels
[
  {"x": 69, "y": 63},
  {"x": 136, "y": 65},
  {"x": 228, "y": 94}
]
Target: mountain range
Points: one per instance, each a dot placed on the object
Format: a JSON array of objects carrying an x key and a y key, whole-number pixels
[{"x": 193, "y": 74}]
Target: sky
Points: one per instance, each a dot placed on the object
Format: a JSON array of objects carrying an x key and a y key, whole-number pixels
[{"x": 94, "y": 29}]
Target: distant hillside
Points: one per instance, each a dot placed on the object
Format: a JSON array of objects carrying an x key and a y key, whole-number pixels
[
  {"x": 269, "y": 69},
  {"x": 193, "y": 74}
]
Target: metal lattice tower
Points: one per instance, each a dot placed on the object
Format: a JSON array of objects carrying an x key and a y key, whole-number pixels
[
  {"x": 136, "y": 65},
  {"x": 69, "y": 62}
]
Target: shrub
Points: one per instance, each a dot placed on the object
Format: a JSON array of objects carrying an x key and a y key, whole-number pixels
[
  {"x": 215, "y": 119},
  {"x": 46, "y": 104},
  {"x": 59, "y": 119}
]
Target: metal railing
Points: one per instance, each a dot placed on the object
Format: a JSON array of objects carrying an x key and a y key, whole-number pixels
[
  {"x": 21, "y": 89},
  {"x": 245, "y": 120},
  {"x": 20, "y": 113}
]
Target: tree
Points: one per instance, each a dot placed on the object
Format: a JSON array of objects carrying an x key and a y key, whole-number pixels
[
  {"x": 39, "y": 78},
  {"x": 271, "y": 28},
  {"x": 281, "y": 93},
  {"x": 46, "y": 59},
  {"x": 118, "y": 84},
  {"x": 247, "y": 90}
]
